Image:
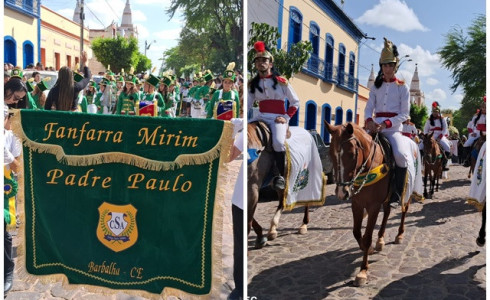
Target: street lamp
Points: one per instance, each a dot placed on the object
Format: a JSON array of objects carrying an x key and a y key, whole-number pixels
[
  {"x": 147, "y": 45},
  {"x": 404, "y": 59}
]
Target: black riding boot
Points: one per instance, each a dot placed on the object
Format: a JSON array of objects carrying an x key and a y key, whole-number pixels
[
  {"x": 278, "y": 182},
  {"x": 467, "y": 155},
  {"x": 396, "y": 195},
  {"x": 447, "y": 156}
]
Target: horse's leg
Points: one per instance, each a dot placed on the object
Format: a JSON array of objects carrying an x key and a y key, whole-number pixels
[
  {"x": 439, "y": 170},
  {"x": 426, "y": 170},
  {"x": 401, "y": 229},
  {"x": 261, "y": 240},
  {"x": 272, "y": 235},
  {"x": 306, "y": 219},
  {"x": 381, "y": 233},
  {"x": 361, "y": 277},
  {"x": 480, "y": 241},
  {"x": 357, "y": 213}
]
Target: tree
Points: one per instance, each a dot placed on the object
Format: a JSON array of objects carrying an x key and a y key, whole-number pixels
[
  {"x": 212, "y": 34},
  {"x": 465, "y": 57},
  {"x": 143, "y": 63},
  {"x": 418, "y": 115},
  {"x": 117, "y": 52},
  {"x": 286, "y": 62}
]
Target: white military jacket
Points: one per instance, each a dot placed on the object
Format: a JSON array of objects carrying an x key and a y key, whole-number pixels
[{"x": 390, "y": 104}]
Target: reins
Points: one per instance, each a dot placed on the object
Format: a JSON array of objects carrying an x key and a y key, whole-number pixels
[{"x": 363, "y": 165}]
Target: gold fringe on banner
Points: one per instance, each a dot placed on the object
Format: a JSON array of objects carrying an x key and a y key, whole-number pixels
[
  {"x": 221, "y": 150},
  {"x": 121, "y": 157}
]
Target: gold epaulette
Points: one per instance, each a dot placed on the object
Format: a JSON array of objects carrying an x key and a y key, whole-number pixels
[{"x": 400, "y": 82}]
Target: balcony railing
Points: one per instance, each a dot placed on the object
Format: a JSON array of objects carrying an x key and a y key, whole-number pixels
[
  {"x": 315, "y": 66},
  {"x": 348, "y": 81}
]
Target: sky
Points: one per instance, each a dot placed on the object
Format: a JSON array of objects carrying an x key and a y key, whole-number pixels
[
  {"x": 418, "y": 28},
  {"x": 149, "y": 16}
]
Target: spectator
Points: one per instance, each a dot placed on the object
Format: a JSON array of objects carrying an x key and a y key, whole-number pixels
[
  {"x": 39, "y": 66},
  {"x": 6, "y": 77},
  {"x": 64, "y": 94},
  {"x": 15, "y": 92},
  {"x": 37, "y": 77},
  {"x": 12, "y": 151}
]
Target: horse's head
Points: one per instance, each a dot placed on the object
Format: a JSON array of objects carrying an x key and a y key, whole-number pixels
[
  {"x": 430, "y": 145},
  {"x": 347, "y": 151}
]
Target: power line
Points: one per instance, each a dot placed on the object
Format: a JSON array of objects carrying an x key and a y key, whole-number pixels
[
  {"x": 103, "y": 25},
  {"x": 112, "y": 10}
]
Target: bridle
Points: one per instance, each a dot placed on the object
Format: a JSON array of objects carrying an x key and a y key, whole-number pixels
[
  {"x": 370, "y": 157},
  {"x": 426, "y": 154}
]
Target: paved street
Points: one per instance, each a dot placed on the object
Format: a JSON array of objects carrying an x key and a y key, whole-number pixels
[
  {"x": 438, "y": 259},
  {"x": 27, "y": 288}
]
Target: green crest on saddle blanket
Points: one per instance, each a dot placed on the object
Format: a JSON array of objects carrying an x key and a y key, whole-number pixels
[
  {"x": 302, "y": 180},
  {"x": 373, "y": 176},
  {"x": 123, "y": 202}
]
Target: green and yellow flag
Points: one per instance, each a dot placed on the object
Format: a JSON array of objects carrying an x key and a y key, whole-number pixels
[{"x": 123, "y": 202}]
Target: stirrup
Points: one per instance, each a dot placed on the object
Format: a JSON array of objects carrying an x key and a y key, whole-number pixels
[{"x": 278, "y": 183}]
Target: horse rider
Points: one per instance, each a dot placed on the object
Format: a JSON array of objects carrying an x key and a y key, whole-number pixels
[
  {"x": 409, "y": 130},
  {"x": 270, "y": 90},
  {"x": 387, "y": 108},
  {"x": 478, "y": 128},
  {"x": 438, "y": 125}
]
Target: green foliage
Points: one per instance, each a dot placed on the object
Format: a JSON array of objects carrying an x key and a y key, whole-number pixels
[
  {"x": 453, "y": 133},
  {"x": 143, "y": 63},
  {"x": 465, "y": 57},
  {"x": 285, "y": 62},
  {"x": 418, "y": 115},
  {"x": 212, "y": 35},
  {"x": 117, "y": 52}
]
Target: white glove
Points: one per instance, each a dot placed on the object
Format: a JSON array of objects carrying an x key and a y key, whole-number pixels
[
  {"x": 237, "y": 125},
  {"x": 8, "y": 157}
]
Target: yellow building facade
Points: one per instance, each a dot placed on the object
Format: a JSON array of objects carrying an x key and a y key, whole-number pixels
[
  {"x": 60, "y": 40},
  {"x": 327, "y": 85},
  {"x": 21, "y": 33}
]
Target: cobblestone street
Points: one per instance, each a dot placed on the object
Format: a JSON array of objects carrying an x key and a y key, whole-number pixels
[{"x": 438, "y": 258}]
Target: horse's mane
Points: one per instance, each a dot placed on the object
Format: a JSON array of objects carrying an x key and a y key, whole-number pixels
[
  {"x": 364, "y": 138},
  {"x": 257, "y": 135}
]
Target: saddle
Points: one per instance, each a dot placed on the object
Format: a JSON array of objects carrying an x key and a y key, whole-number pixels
[{"x": 388, "y": 156}]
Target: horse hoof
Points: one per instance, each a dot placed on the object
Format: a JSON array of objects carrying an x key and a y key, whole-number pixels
[
  {"x": 361, "y": 279},
  {"x": 371, "y": 251},
  {"x": 260, "y": 243},
  {"x": 272, "y": 236},
  {"x": 398, "y": 239},
  {"x": 481, "y": 242},
  {"x": 303, "y": 230},
  {"x": 380, "y": 245}
]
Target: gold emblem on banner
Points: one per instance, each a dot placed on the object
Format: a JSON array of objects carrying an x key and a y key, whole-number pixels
[{"x": 117, "y": 228}]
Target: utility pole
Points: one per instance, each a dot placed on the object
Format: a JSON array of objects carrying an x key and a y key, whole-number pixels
[{"x": 82, "y": 17}]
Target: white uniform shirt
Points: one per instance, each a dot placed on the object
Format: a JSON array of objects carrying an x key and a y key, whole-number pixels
[
  {"x": 13, "y": 145},
  {"x": 439, "y": 128},
  {"x": 276, "y": 96},
  {"x": 481, "y": 124},
  {"x": 409, "y": 130},
  {"x": 392, "y": 98}
]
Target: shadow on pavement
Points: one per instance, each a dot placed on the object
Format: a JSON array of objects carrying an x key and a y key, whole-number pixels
[
  {"x": 307, "y": 278},
  {"x": 432, "y": 284}
]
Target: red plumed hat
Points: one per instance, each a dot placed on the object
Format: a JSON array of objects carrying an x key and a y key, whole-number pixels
[
  {"x": 261, "y": 51},
  {"x": 436, "y": 106}
]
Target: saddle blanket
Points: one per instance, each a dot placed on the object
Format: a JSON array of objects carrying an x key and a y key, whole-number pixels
[
  {"x": 478, "y": 189},
  {"x": 305, "y": 181},
  {"x": 413, "y": 184}
]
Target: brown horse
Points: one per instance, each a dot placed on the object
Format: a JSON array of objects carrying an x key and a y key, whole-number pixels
[
  {"x": 260, "y": 143},
  {"x": 432, "y": 164},
  {"x": 354, "y": 152},
  {"x": 475, "y": 149}
]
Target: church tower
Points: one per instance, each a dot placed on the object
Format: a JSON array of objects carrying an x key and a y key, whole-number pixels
[
  {"x": 372, "y": 78},
  {"x": 127, "y": 29},
  {"x": 76, "y": 14},
  {"x": 416, "y": 95}
]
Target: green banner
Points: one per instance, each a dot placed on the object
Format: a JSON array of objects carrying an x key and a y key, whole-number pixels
[{"x": 122, "y": 202}]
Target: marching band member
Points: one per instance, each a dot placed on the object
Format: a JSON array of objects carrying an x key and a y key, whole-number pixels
[{"x": 226, "y": 94}]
